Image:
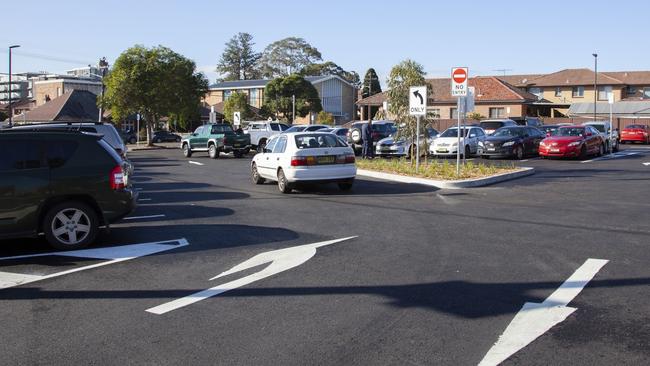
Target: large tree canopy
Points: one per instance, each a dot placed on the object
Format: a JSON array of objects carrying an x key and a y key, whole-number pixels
[
  {"x": 371, "y": 85},
  {"x": 239, "y": 61},
  {"x": 280, "y": 90},
  {"x": 330, "y": 68},
  {"x": 154, "y": 82},
  {"x": 287, "y": 56}
]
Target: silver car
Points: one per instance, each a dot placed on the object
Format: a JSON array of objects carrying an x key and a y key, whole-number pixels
[{"x": 401, "y": 146}]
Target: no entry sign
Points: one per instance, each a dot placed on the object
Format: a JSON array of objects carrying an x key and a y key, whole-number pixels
[{"x": 459, "y": 76}]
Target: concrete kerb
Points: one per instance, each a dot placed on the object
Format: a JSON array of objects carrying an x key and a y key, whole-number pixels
[{"x": 450, "y": 184}]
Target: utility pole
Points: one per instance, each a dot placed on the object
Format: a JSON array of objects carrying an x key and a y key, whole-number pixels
[
  {"x": 103, "y": 66},
  {"x": 595, "y": 82},
  {"x": 293, "y": 113},
  {"x": 11, "y": 107}
]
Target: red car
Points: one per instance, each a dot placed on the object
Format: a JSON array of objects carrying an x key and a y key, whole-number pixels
[
  {"x": 636, "y": 133},
  {"x": 572, "y": 141}
]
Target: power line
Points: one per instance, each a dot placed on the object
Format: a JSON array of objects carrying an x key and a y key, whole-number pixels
[{"x": 48, "y": 58}]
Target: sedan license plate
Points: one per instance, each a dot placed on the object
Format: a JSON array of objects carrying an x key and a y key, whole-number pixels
[
  {"x": 555, "y": 150},
  {"x": 491, "y": 149},
  {"x": 237, "y": 145},
  {"x": 442, "y": 150},
  {"x": 325, "y": 159}
]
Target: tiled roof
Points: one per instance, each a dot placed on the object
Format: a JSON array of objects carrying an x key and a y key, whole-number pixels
[
  {"x": 631, "y": 77},
  {"x": 74, "y": 106},
  {"x": 487, "y": 89},
  {"x": 373, "y": 100},
  {"x": 519, "y": 80},
  {"x": 574, "y": 77}
]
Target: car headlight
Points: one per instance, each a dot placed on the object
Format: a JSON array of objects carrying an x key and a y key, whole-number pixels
[
  {"x": 542, "y": 143},
  {"x": 509, "y": 143},
  {"x": 454, "y": 144},
  {"x": 575, "y": 143},
  {"x": 480, "y": 143}
]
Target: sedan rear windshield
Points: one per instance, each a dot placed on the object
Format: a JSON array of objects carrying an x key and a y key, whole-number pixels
[
  {"x": 569, "y": 131},
  {"x": 491, "y": 125},
  {"x": 384, "y": 127},
  {"x": 316, "y": 141},
  {"x": 635, "y": 126},
  {"x": 509, "y": 132}
]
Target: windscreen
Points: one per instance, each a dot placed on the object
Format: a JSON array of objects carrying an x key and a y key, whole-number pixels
[
  {"x": 317, "y": 141},
  {"x": 569, "y": 131},
  {"x": 491, "y": 125},
  {"x": 509, "y": 132},
  {"x": 453, "y": 132},
  {"x": 635, "y": 126}
]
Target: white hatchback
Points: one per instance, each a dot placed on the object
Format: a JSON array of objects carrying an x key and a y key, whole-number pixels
[{"x": 305, "y": 157}]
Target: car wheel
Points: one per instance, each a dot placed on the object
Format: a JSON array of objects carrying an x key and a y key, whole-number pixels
[
  {"x": 518, "y": 152},
  {"x": 255, "y": 175},
  {"x": 486, "y": 157},
  {"x": 615, "y": 147},
  {"x": 213, "y": 151},
  {"x": 247, "y": 151},
  {"x": 283, "y": 184},
  {"x": 132, "y": 140},
  {"x": 468, "y": 152},
  {"x": 583, "y": 152},
  {"x": 346, "y": 186},
  {"x": 601, "y": 150},
  {"x": 70, "y": 225},
  {"x": 187, "y": 152},
  {"x": 261, "y": 145}
]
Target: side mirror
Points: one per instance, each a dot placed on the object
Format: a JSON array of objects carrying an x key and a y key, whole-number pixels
[{"x": 194, "y": 135}]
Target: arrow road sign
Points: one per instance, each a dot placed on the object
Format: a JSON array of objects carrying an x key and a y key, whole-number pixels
[
  {"x": 535, "y": 319},
  {"x": 418, "y": 101},
  {"x": 279, "y": 261},
  {"x": 459, "y": 76}
]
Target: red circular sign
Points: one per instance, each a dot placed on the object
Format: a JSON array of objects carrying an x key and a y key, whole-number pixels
[{"x": 459, "y": 75}]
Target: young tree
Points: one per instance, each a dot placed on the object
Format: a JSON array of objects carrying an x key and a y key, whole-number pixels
[
  {"x": 330, "y": 68},
  {"x": 239, "y": 60},
  {"x": 406, "y": 74},
  {"x": 154, "y": 82},
  {"x": 287, "y": 56},
  {"x": 237, "y": 102},
  {"x": 280, "y": 91}
]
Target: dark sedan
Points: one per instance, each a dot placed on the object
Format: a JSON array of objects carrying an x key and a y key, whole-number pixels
[
  {"x": 514, "y": 141},
  {"x": 165, "y": 136}
]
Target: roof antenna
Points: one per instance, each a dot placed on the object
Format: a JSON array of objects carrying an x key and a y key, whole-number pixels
[{"x": 502, "y": 71}]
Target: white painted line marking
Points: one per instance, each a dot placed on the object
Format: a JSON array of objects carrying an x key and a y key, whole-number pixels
[
  {"x": 195, "y": 162},
  {"x": 112, "y": 254},
  {"x": 138, "y": 189},
  {"x": 279, "y": 261},
  {"x": 523, "y": 161},
  {"x": 143, "y": 217},
  {"x": 646, "y": 164},
  {"x": 144, "y": 199},
  {"x": 535, "y": 319}
]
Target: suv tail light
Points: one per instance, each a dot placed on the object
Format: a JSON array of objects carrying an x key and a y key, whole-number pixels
[{"x": 117, "y": 178}]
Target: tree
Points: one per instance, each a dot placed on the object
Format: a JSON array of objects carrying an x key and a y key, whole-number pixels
[
  {"x": 371, "y": 85},
  {"x": 475, "y": 116},
  {"x": 280, "y": 90},
  {"x": 239, "y": 60},
  {"x": 406, "y": 74},
  {"x": 287, "y": 56},
  {"x": 154, "y": 82},
  {"x": 330, "y": 68},
  {"x": 237, "y": 102},
  {"x": 325, "y": 118}
]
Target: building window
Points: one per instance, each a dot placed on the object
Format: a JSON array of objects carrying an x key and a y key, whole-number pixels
[
  {"x": 253, "y": 97},
  {"x": 539, "y": 92},
  {"x": 631, "y": 90},
  {"x": 558, "y": 92},
  {"x": 603, "y": 92},
  {"x": 578, "y": 91},
  {"x": 646, "y": 93},
  {"x": 226, "y": 94},
  {"x": 499, "y": 112},
  {"x": 453, "y": 113}
]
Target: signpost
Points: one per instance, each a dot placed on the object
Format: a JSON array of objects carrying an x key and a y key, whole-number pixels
[
  {"x": 236, "y": 119},
  {"x": 610, "y": 100},
  {"x": 418, "y": 108},
  {"x": 459, "y": 76}
]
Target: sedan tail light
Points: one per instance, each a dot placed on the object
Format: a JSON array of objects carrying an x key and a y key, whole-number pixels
[
  {"x": 117, "y": 180},
  {"x": 298, "y": 161}
]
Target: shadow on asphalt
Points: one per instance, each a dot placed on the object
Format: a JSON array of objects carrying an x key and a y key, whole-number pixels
[
  {"x": 459, "y": 298},
  {"x": 171, "y": 186},
  {"x": 363, "y": 187},
  {"x": 191, "y": 196}
]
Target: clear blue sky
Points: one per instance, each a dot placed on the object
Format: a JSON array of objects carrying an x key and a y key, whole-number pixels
[{"x": 526, "y": 37}]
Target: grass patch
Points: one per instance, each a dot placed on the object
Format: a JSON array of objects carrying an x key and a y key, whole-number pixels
[{"x": 435, "y": 169}]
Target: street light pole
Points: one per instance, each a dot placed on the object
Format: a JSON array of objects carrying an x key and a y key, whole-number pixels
[
  {"x": 11, "y": 107},
  {"x": 103, "y": 66},
  {"x": 595, "y": 82}
]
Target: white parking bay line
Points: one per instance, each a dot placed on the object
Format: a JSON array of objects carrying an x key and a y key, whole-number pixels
[
  {"x": 143, "y": 217},
  {"x": 195, "y": 162},
  {"x": 144, "y": 199}
]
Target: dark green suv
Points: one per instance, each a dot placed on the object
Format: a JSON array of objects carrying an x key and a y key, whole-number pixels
[
  {"x": 215, "y": 139},
  {"x": 65, "y": 184}
]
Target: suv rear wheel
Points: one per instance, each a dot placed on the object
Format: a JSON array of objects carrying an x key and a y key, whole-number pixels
[
  {"x": 70, "y": 225},
  {"x": 213, "y": 151},
  {"x": 187, "y": 152}
]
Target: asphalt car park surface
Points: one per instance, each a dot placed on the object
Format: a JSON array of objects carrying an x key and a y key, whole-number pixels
[{"x": 429, "y": 277}]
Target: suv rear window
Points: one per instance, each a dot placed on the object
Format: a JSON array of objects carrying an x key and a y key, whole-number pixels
[
  {"x": 317, "y": 141},
  {"x": 491, "y": 125},
  {"x": 220, "y": 129}
]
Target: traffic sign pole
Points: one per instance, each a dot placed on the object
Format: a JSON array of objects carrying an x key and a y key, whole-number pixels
[
  {"x": 458, "y": 134},
  {"x": 417, "y": 147}
]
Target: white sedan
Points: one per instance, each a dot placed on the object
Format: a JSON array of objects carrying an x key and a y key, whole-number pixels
[{"x": 305, "y": 157}]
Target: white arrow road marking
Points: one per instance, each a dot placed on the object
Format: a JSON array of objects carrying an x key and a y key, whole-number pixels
[
  {"x": 535, "y": 319},
  {"x": 112, "y": 254},
  {"x": 143, "y": 217},
  {"x": 195, "y": 162},
  {"x": 279, "y": 261},
  {"x": 646, "y": 164}
]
